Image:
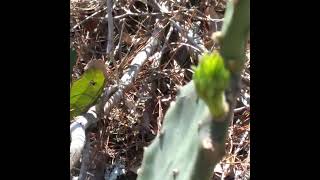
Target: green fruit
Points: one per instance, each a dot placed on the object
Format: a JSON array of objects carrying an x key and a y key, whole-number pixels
[{"x": 211, "y": 78}]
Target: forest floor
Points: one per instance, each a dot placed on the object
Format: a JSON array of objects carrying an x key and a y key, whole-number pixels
[{"x": 118, "y": 139}]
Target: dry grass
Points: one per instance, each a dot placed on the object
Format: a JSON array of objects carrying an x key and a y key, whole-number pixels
[{"x": 132, "y": 124}]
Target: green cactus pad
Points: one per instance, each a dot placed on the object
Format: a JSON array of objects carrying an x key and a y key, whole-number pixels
[{"x": 189, "y": 145}]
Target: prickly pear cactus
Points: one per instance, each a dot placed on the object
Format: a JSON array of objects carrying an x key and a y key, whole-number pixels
[
  {"x": 184, "y": 148},
  {"x": 192, "y": 139}
]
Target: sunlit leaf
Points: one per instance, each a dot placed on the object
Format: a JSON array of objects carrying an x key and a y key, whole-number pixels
[{"x": 86, "y": 90}]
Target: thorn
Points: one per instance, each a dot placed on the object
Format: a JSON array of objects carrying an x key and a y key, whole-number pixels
[
  {"x": 217, "y": 36},
  {"x": 199, "y": 125},
  {"x": 232, "y": 65},
  {"x": 179, "y": 89},
  {"x": 161, "y": 133},
  {"x": 225, "y": 105},
  {"x": 175, "y": 173},
  {"x": 207, "y": 143},
  {"x": 139, "y": 170},
  {"x": 172, "y": 103}
]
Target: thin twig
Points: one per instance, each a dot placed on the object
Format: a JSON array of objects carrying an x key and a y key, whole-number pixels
[
  {"x": 240, "y": 109},
  {"x": 202, "y": 48},
  {"x": 118, "y": 47},
  {"x": 110, "y": 39},
  {"x": 167, "y": 39},
  {"x": 110, "y": 26},
  {"x": 122, "y": 63},
  {"x": 87, "y": 18},
  {"x": 243, "y": 138},
  {"x": 165, "y": 10},
  {"x": 129, "y": 13},
  {"x": 158, "y": 55},
  {"x": 188, "y": 45},
  {"x": 206, "y": 18}
]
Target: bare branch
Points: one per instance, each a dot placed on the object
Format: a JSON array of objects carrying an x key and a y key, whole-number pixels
[
  {"x": 77, "y": 128},
  {"x": 110, "y": 26},
  {"x": 135, "y": 66},
  {"x": 85, "y": 161},
  {"x": 110, "y": 39},
  {"x": 188, "y": 45},
  {"x": 78, "y": 136},
  {"x": 240, "y": 109},
  {"x": 118, "y": 47}
]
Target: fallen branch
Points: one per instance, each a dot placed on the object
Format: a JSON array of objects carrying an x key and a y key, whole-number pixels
[
  {"x": 133, "y": 70},
  {"x": 78, "y": 136},
  {"x": 118, "y": 47},
  {"x": 110, "y": 40},
  {"x": 81, "y": 123},
  {"x": 110, "y": 27},
  {"x": 85, "y": 161}
]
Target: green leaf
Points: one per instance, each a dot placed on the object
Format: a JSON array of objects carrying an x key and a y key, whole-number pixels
[
  {"x": 73, "y": 59},
  {"x": 86, "y": 90}
]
